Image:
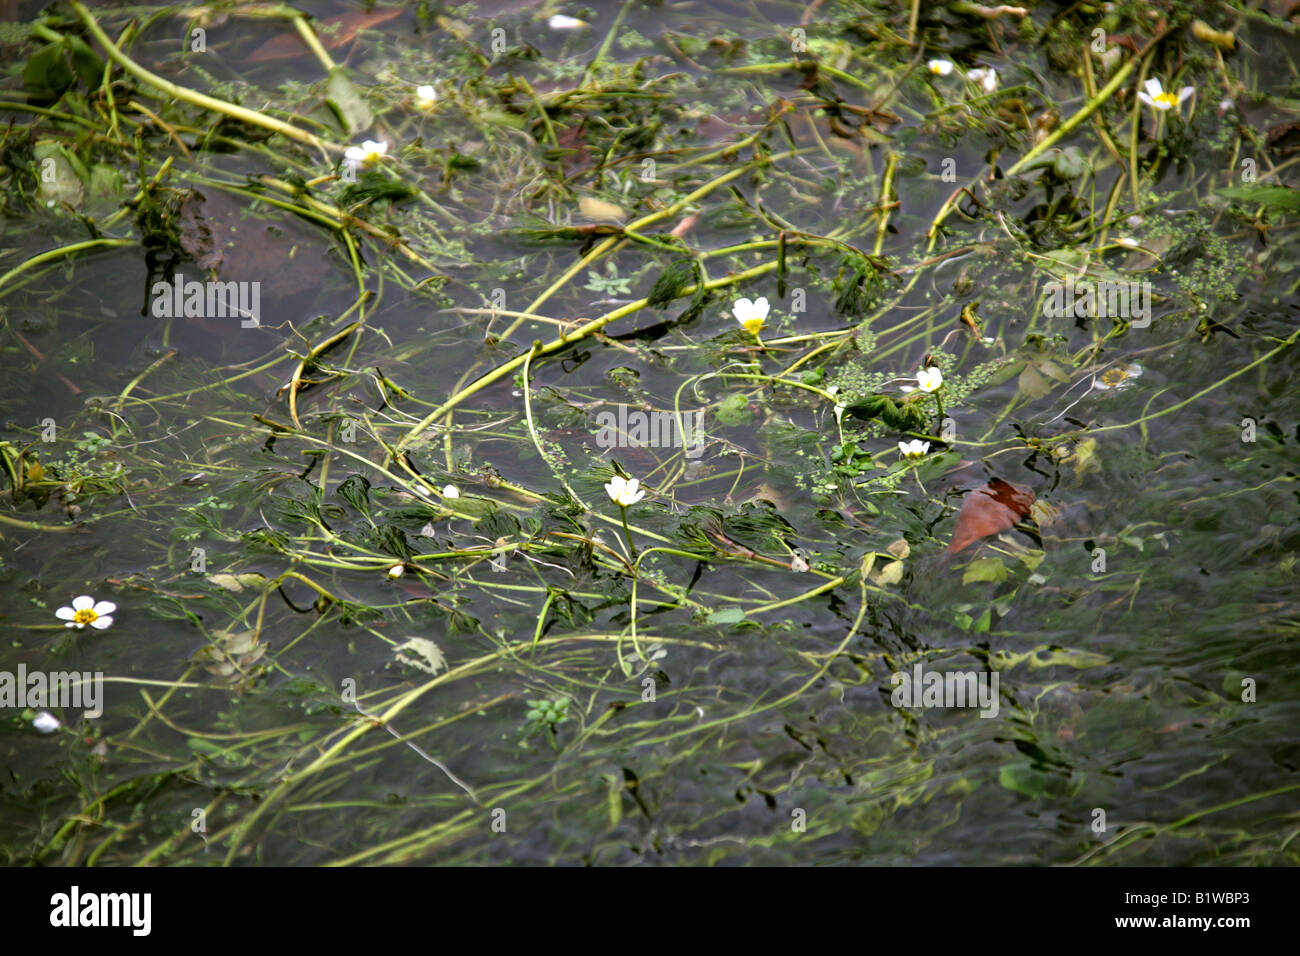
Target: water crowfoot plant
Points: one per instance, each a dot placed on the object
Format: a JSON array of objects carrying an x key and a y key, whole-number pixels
[
  {"x": 610, "y": 204},
  {"x": 625, "y": 492}
]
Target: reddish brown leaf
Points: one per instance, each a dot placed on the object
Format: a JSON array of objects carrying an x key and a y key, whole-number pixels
[
  {"x": 988, "y": 510},
  {"x": 288, "y": 45}
]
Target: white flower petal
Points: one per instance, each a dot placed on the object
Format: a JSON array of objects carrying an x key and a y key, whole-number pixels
[
  {"x": 1154, "y": 88},
  {"x": 1185, "y": 92},
  {"x": 105, "y": 607},
  {"x": 74, "y": 624},
  {"x": 46, "y": 723},
  {"x": 83, "y": 602},
  {"x": 1146, "y": 99},
  {"x": 451, "y": 491},
  {"x": 65, "y": 614},
  {"x": 929, "y": 379},
  {"x": 100, "y": 623}
]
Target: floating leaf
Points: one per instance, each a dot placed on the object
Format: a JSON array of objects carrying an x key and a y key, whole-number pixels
[
  {"x": 333, "y": 32},
  {"x": 237, "y": 582},
  {"x": 985, "y": 569},
  {"x": 230, "y": 654},
  {"x": 1084, "y": 458},
  {"x": 995, "y": 507},
  {"x": 65, "y": 185},
  {"x": 422, "y": 654},
  {"x": 734, "y": 410},
  {"x": 599, "y": 210},
  {"x": 1283, "y": 198},
  {"x": 47, "y": 73},
  {"x": 890, "y": 573},
  {"x": 727, "y": 615},
  {"x": 347, "y": 102}
]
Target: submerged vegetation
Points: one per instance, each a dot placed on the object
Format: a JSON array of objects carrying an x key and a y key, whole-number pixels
[{"x": 941, "y": 338}]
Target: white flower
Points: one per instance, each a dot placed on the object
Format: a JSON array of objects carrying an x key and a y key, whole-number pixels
[
  {"x": 985, "y": 76},
  {"x": 1127, "y": 241},
  {"x": 451, "y": 491},
  {"x": 1156, "y": 97},
  {"x": 624, "y": 492},
  {"x": 561, "y": 22},
  {"x": 367, "y": 154},
  {"x": 940, "y": 67},
  {"x": 914, "y": 448},
  {"x": 46, "y": 723},
  {"x": 425, "y": 97},
  {"x": 751, "y": 315},
  {"x": 85, "y": 611},
  {"x": 1121, "y": 376},
  {"x": 396, "y": 571},
  {"x": 929, "y": 379}
]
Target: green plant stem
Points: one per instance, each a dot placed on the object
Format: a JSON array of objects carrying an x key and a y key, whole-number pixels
[
  {"x": 197, "y": 99},
  {"x": 627, "y": 534}
]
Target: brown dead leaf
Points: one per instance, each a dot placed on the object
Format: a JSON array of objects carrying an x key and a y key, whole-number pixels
[
  {"x": 995, "y": 507},
  {"x": 289, "y": 45}
]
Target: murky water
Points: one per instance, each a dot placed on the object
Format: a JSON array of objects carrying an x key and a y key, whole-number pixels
[{"x": 1142, "y": 622}]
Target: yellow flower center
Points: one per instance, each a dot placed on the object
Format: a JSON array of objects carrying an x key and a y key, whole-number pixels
[
  {"x": 1166, "y": 100},
  {"x": 753, "y": 326},
  {"x": 85, "y": 616},
  {"x": 1113, "y": 377}
]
